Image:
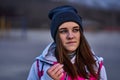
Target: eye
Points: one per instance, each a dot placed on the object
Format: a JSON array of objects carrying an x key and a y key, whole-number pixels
[
  {"x": 63, "y": 31},
  {"x": 76, "y": 30}
]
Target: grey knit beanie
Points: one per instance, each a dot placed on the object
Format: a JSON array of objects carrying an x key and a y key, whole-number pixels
[{"x": 63, "y": 14}]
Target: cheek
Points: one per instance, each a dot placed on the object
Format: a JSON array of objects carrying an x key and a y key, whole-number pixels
[
  {"x": 61, "y": 36},
  {"x": 78, "y": 38},
  {"x": 77, "y": 35},
  {"x": 63, "y": 39}
]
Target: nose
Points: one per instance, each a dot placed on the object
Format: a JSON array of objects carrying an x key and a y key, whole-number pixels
[{"x": 70, "y": 35}]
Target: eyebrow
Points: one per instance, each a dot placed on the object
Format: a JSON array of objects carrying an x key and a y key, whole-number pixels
[
  {"x": 62, "y": 28},
  {"x": 73, "y": 27},
  {"x": 76, "y": 27}
]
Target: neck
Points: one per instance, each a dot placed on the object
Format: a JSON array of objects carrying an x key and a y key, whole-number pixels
[{"x": 71, "y": 55}]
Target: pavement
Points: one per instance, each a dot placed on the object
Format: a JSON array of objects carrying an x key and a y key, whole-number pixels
[{"x": 18, "y": 50}]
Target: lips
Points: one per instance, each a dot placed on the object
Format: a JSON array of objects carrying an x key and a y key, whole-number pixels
[{"x": 71, "y": 42}]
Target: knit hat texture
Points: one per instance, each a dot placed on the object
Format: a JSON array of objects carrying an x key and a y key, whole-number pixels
[{"x": 63, "y": 14}]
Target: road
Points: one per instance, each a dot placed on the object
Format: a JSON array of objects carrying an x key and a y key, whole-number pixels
[{"x": 18, "y": 50}]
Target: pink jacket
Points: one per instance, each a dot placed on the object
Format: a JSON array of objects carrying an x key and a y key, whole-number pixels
[{"x": 81, "y": 78}]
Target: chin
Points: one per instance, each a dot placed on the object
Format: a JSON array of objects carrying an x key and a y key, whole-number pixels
[{"x": 71, "y": 50}]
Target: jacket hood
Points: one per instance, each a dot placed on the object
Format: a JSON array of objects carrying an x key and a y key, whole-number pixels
[{"x": 48, "y": 55}]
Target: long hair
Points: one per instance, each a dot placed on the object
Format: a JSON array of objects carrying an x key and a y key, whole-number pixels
[{"x": 84, "y": 59}]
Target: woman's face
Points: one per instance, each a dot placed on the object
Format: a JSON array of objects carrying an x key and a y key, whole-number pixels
[{"x": 69, "y": 33}]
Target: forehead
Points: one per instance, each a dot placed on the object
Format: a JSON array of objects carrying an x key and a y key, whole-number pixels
[{"x": 69, "y": 25}]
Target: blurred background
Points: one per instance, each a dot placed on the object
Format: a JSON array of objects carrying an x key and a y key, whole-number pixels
[{"x": 24, "y": 33}]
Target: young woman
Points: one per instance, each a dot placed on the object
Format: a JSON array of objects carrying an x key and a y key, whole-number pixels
[{"x": 69, "y": 57}]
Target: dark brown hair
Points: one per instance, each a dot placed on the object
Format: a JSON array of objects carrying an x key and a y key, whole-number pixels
[{"x": 84, "y": 59}]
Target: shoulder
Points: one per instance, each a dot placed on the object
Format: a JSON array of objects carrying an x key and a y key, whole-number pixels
[
  {"x": 101, "y": 68},
  {"x": 99, "y": 62},
  {"x": 98, "y": 58},
  {"x": 42, "y": 68},
  {"x": 38, "y": 70}
]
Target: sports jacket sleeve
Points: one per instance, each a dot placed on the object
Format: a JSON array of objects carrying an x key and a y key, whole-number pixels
[
  {"x": 103, "y": 74},
  {"x": 33, "y": 73}
]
